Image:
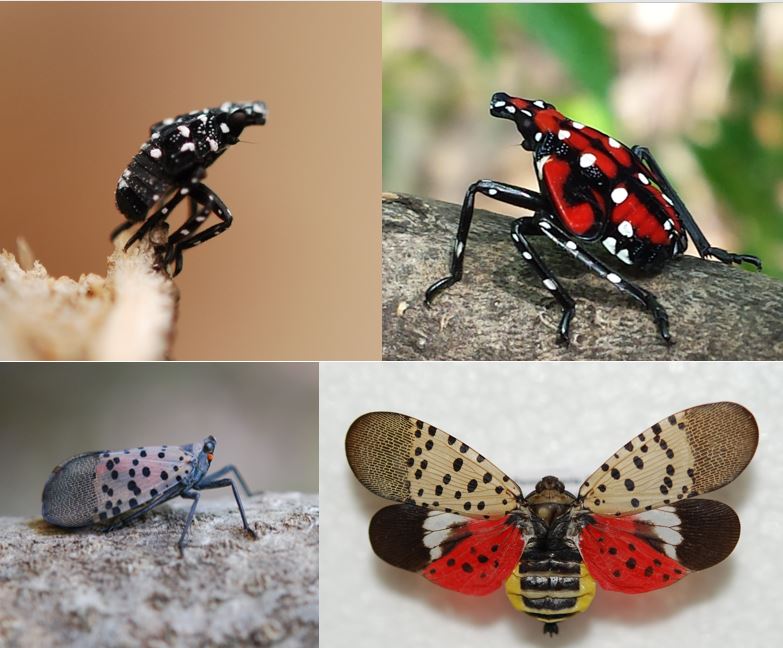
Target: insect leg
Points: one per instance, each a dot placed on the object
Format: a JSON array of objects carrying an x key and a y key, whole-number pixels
[
  {"x": 644, "y": 297},
  {"x": 231, "y": 468},
  {"x": 156, "y": 218},
  {"x": 211, "y": 203},
  {"x": 699, "y": 240},
  {"x": 221, "y": 483},
  {"x": 195, "y": 497},
  {"x": 505, "y": 193},
  {"x": 121, "y": 228},
  {"x": 520, "y": 230},
  {"x": 138, "y": 513}
]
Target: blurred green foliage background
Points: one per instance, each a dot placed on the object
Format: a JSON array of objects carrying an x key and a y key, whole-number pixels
[{"x": 700, "y": 85}]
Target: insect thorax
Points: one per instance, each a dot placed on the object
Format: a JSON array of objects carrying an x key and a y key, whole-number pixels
[{"x": 551, "y": 583}]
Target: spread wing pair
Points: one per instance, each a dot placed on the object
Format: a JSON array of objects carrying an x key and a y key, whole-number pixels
[{"x": 463, "y": 523}]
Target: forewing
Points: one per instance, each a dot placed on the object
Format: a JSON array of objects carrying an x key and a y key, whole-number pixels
[
  {"x": 456, "y": 552},
  {"x": 689, "y": 453},
  {"x": 639, "y": 553},
  {"x": 98, "y": 486},
  {"x": 406, "y": 460}
]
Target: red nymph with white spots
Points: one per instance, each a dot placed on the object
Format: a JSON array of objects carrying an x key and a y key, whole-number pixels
[
  {"x": 633, "y": 527},
  {"x": 592, "y": 189}
]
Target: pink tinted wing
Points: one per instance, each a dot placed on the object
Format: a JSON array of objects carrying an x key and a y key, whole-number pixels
[{"x": 127, "y": 479}]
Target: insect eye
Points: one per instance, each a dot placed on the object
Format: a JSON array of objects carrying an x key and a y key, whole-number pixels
[
  {"x": 237, "y": 121},
  {"x": 209, "y": 447}
]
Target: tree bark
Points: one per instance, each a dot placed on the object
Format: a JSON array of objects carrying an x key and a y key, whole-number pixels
[
  {"x": 130, "y": 587},
  {"x": 127, "y": 315},
  {"x": 501, "y": 311}
]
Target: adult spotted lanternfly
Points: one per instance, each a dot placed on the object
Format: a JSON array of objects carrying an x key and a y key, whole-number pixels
[
  {"x": 592, "y": 188},
  {"x": 115, "y": 487},
  {"x": 465, "y": 525},
  {"x": 170, "y": 167}
]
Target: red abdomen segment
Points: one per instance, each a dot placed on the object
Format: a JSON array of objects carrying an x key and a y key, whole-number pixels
[
  {"x": 582, "y": 214},
  {"x": 621, "y": 561}
]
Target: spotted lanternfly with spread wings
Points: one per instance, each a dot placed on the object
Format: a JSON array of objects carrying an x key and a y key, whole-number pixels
[
  {"x": 115, "y": 487},
  {"x": 465, "y": 525},
  {"x": 592, "y": 189}
]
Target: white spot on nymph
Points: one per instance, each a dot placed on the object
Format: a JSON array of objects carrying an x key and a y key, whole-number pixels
[
  {"x": 184, "y": 130},
  {"x": 577, "y": 125},
  {"x": 563, "y": 134},
  {"x": 526, "y": 112},
  {"x": 458, "y": 248},
  {"x": 164, "y": 211},
  {"x": 668, "y": 224},
  {"x": 540, "y": 163},
  {"x": 527, "y": 256},
  {"x": 623, "y": 256},
  {"x": 511, "y": 109},
  {"x": 202, "y": 119},
  {"x": 187, "y": 146},
  {"x": 492, "y": 192},
  {"x": 213, "y": 145},
  {"x": 615, "y": 279},
  {"x": 539, "y": 103},
  {"x": 538, "y": 136},
  {"x": 515, "y": 237},
  {"x": 155, "y": 136},
  {"x": 155, "y": 197},
  {"x": 498, "y": 104},
  {"x": 550, "y": 284},
  {"x": 571, "y": 245},
  {"x": 625, "y": 228},
  {"x": 610, "y": 244},
  {"x": 225, "y": 106},
  {"x": 643, "y": 179},
  {"x": 614, "y": 143},
  {"x": 185, "y": 232},
  {"x": 168, "y": 121},
  {"x": 224, "y": 128},
  {"x": 544, "y": 224},
  {"x": 122, "y": 184},
  {"x": 184, "y": 191},
  {"x": 666, "y": 198},
  {"x": 155, "y": 153},
  {"x": 126, "y": 173},
  {"x": 619, "y": 195},
  {"x": 259, "y": 108},
  {"x": 586, "y": 160}
]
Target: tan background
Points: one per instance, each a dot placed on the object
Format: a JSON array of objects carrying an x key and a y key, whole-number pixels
[{"x": 297, "y": 276}]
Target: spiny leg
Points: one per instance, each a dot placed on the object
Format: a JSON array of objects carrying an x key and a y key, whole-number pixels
[
  {"x": 197, "y": 216},
  {"x": 644, "y": 297},
  {"x": 505, "y": 193},
  {"x": 520, "y": 230},
  {"x": 222, "y": 483},
  {"x": 206, "y": 197},
  {"x": 231, "y": 468},
  {"x": 195, "y": 497},
  {"x": 699, "y": 240}
]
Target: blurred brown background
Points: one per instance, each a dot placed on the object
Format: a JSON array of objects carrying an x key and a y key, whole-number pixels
[
  {"x": 264, "y": 417},
  {"x": 297, "y": 276}
]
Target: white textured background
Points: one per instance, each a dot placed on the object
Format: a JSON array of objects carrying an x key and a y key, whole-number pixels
[{"x": 534, "y": 419}]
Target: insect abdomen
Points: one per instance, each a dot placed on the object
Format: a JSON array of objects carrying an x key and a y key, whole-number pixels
[
  {"x": 141, "y": 186},
  {"x": 69, "y": 496},
  {"x": 550, "y": 588}
]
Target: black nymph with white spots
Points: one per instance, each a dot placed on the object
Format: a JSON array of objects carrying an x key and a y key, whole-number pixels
[
  {"x": 116, "y": 487},
  {"x": 171, "y": 165}
]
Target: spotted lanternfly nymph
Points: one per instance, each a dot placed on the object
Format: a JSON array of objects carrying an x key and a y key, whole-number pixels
[
  {"x": 171, "y": 165},
  {"x": 633, "y": 527},
  {"x": 115, "y": 487},
  {"x": 592, "y": 189}
]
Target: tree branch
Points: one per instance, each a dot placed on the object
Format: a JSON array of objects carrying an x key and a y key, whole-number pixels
[
  {"x": 127, "y": 315},
  {"x": 501, "y": 311},
  {"x": 130, "y": 586}
]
